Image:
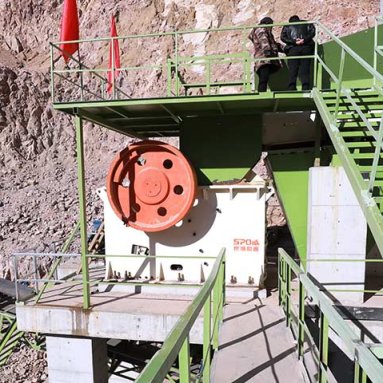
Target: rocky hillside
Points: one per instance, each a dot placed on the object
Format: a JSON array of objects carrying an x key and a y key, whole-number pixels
[{"x": 38, "y": 195}]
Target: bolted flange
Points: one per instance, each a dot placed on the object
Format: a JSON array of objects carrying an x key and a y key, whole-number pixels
[{"x": 151, "y": 186}]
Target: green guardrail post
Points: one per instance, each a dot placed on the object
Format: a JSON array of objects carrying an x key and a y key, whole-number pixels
[
  {"x": 221, "y": 285},
  {"x": 375, "y": 49},
  {"x": 323, "y": 348},
  {"x": 284, "y": 285},
  {"x": 375, "y": 162},
  {"x": 279, "y": 278},
  {"x": 301, "y": 320},
  {"x": 169, "y": 77},
  {"x": 184, "y": 362},
  {"x": 356, "y": 371},
  {"x": 82, "y": 202},
  {"x": 288, "y": 295},
  {"x": 316, "y": 57},
  {"x": 216, "y": 296},
  {"x": 81, "y": 74},
  {"x": 339, "y": 86},
  {"x": 206, "y": 341},
  {"x": 176, "y": 65},
  {"x": 319, "y": 79}
]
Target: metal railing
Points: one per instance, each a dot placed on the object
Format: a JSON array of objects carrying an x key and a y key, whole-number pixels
[
  {"x": 180, "y": 71},
  {"x": 366, "y": 364},
  {"x": 345, "y": 94},
  {"x": 210, "y": 299},
  {"x": 378, "y": 45},
  {"x": 32, "y": 278}
]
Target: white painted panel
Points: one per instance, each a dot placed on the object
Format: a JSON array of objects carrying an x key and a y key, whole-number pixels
[
  {"x": 72, "y": 360},
  {"x": 337, "y": 229},
  {"x": 230, "y": 216}
]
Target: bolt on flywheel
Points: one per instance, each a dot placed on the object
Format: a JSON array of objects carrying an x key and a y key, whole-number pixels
[{"x": 151, "y": 186}]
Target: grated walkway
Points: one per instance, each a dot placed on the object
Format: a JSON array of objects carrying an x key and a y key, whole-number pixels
[{"x": 255, "y": 346}]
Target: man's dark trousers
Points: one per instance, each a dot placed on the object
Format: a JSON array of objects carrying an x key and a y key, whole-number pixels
[{"x": 300, "y": 66}]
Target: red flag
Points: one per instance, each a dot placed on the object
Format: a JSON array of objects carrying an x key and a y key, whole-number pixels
[
  {"x": 69, "y": 29},
  {"x": 114, "y": 50}
]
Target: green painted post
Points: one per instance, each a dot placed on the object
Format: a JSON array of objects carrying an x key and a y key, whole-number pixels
[
  {"x": 284, "y": 289},
  {"x": 176, "y": 65},
  {"x": 206, "y": 341},
  {"x": 356, "y": 371},
  {"x": 340, "y": 80},
  {"x": 364, "y": 377},
  {"x": 323, "y": 348},
  {"x": 301, "y": 320},
  {"x": 216, "y": 295},
  {"x": 224, "y": 279},
  {"x": 247, "y": 67},
  {"x": 279, "y": 278},
  {"x": 375, "y": 47},
  {"x": 221, "y": 285},
  {"x": 316, "y": 57},
  {"x": 208, "y": 75},
  {"x": 288, "y": 295},
  {"x": 169, "y": 80},
  {"x": 375, "y": 162},
  {"x": 82, "y": 201},
  {"x": 184, "y": 362},
  {"x": 320, "y": 76},
  {"x": 81, "y": 75}
]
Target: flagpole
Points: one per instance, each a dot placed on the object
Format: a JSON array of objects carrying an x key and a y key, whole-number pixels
[{"x": 113, "y": 72}]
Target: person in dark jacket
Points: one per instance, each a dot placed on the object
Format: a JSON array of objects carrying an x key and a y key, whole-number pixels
[
  {"x": 265, "y": 46},
  {"x": 299, "y": 42}
]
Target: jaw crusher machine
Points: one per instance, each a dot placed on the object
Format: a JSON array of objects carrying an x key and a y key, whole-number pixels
[{"x": 154, "y": 206}]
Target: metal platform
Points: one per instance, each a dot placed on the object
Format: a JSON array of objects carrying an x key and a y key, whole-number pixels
[
  {"x": 117, "y": 315},
  {"x": 163, "y": 116}
]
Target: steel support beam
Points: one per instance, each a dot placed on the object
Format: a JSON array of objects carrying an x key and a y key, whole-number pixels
[
  {"x": 107, "y": 124},
  {"x": 82, "y": 202}
]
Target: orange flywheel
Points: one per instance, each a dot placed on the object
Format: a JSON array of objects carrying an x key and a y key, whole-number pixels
[{"x": 151, "y": 186}]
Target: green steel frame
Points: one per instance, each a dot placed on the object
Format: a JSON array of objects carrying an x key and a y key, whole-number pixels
[
  {"x": 210, "y": 299},
  {"x": 366, "y": 364},
  {"x": 361, "y": 187},
  {"x": 172, "y": 65}
]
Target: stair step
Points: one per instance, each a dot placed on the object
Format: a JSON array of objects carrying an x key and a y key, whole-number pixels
[
  {"x": 356, "y": 133},
  {"x": 357, "y": 124},
  {"x": 355, "y": 92},
  {"x": 358, "y": 98},
  {"x": 365, "y": 156},
  {"x": 365, "y": 108},
  {"x": 367, "y": 169},
  {"x": 355, "y": 116},
  {"x": 361, "y": 144}
]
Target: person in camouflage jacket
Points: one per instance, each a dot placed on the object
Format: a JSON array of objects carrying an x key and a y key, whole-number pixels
[{"x": 265, "y": 46}]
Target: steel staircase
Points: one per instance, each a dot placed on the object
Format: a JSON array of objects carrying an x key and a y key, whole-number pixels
[{"x": 353, "y": 122}]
